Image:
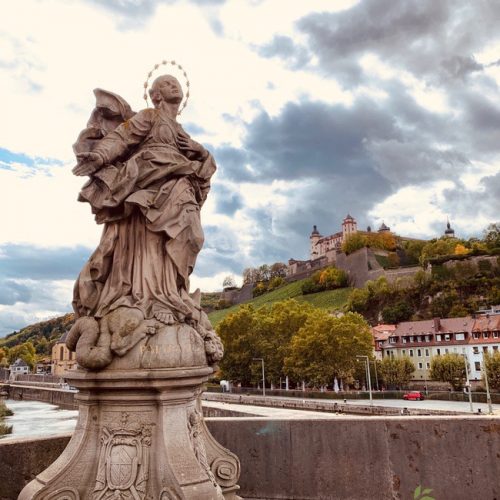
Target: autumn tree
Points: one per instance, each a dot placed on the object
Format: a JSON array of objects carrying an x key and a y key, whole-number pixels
[
  {"x": 449, "y": 368},
  {"x": 395, "y": 372},
  {"x": 237, "y": 334},
  {"x": 25, "y": 351},
  {"x": 492, "y": 236},
  {"x": 229, "y": 282},
  {"x": 326, "y": 347},
  {"x": 354, "y": 242},
  {"x": 492, "y": 366}
]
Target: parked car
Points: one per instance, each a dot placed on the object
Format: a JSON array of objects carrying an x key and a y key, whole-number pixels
[{"x": 413, "y": 396}]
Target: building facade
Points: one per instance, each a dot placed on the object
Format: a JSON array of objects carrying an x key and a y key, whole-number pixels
[
  {"x": 19, "y": 367},
  {"x": 62, "y": 358},
  {"x": 422, "y": 340}
]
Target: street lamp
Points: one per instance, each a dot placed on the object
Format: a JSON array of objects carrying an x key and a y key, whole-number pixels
[
  {"x": 468, "y": 382},
  {"x": 367, "y": 362},
  {"x": 263, "y": 375},
  {"x": 488, "y": 395}
]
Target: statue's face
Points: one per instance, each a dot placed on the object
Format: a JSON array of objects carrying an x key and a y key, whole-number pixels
[{"x": 166, "y": 88}]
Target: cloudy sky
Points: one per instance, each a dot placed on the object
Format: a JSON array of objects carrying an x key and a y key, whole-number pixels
[{"x": 386, "y": 109}]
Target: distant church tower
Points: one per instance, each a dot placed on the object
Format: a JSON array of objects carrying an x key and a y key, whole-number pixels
[
  {"x": 314, "y": 238},
  {"x": 383, "y": 228},
  {"x": 450, "y": 232},
  {"x": 349, "y": 227}
]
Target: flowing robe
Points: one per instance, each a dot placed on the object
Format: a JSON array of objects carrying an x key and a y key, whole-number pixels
[{"x": 148, "y": 196}]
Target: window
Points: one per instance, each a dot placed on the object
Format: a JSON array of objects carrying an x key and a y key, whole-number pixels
[
  {"x": 459, "y": 336},
  {"x": 427, "y": 353},
  {"x": 495, "y": 348},
  {"x": 61, "y": 352},
  {"x": 485, "y": 348},
  {"x": 392, "y": 340},
  {"x": 427, "y": 338},
  {"x": 485, "y": 335},
  {"x": 403, "y": 352},
  {"x": 427, "y": 365},
  {"x": 70, "y": 355},
  {"x": 475, "y": 335},
  {"x": 418, "y": 338},
  {"x": 477, "y": 366},
  {"x": 411, "y": 338},
  {"x": 438, "y": 352},
  {"x": 404, "y": 340},
  {"x": 419, "y": 352},
  {"x": 447, "y": 337},
  {"x": 446, "y": 351},
  {"x": 475, "y": 349},
  {"x": 495, "y": 335},
  {"x": 411, "y": 353},
  {"x": 420, "y": 366},
  {"x": 438, "y": 338}
]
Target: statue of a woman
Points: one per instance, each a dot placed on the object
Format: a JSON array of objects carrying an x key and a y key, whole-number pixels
[{"x": 148, "y": 182}]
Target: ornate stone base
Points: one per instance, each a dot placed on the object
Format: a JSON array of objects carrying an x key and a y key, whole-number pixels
[{"x": 141, "y": 436}]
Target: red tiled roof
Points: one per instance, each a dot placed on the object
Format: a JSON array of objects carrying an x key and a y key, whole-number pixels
[{"x": 446, "y": 325}]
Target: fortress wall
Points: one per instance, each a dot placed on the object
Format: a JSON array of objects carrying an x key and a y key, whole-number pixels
[{"x": 372, "y": 458}]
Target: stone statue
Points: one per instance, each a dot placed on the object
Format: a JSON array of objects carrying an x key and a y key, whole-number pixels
[
  {"x": 148, "y": 182},
  {"x": 143, "y": 344}
]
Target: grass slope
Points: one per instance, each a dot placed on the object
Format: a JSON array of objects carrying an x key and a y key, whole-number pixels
[{"x": 331, "y": 299}]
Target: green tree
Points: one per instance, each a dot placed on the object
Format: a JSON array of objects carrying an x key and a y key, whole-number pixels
[
  {"x": 438, "y": 248},
  {"x": 331, "y": 278},
  {"x": 449, "y": 368},
  {"x": 25, "y": 351},
  {"x": 401, "y": 311},
  {"x": 237, "y": 334},
  {"x": 275, "y": 327},
  {"x": 396, "y": 372},
  {"x": 492, "y": 365},
  {"x": 492, "y": 236},
  {"x": 229, "y": 282},
  {"x": 354, "y": 242},
  {"x": 326, "y": 347}
]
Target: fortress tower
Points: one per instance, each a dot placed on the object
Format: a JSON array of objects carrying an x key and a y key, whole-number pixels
[
  {"x": 349, "y": 227},
  {"x": 314, "y": 248}
]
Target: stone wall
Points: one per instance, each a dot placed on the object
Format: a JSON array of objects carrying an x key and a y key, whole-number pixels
[{"x": 350, "y": 459}]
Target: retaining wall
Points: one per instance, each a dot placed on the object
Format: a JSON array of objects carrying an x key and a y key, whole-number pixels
[{"x": 376, "y": 458}]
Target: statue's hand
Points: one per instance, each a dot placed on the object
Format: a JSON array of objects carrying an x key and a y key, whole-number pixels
[
  {"x": 187, "y": 145},
  {"x": 88, "y": 163}
]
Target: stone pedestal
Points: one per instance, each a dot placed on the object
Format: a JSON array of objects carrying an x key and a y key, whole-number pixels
[{"x": 141, "y": 436}]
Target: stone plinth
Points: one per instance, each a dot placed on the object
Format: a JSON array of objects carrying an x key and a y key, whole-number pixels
[{"x": 140, "y": 435}]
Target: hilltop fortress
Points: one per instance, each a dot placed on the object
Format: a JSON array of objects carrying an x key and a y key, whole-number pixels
[{"x": 362, "y": 265}]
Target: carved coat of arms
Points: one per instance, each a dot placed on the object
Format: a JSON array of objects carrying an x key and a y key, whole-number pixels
[{"x": 123, "y": 464}]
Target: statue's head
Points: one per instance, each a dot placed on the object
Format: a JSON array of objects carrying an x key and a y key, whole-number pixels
[{"x": 166, "y": 88}]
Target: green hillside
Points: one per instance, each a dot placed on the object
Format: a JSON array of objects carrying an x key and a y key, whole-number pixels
[
  {"x": 42, "y": 335},
  {"x": 330, "y": 299}
]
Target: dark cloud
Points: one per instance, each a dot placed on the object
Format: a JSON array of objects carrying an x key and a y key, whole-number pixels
[
  {"x": 20, "y": 261},
  {"x": 433, "y": 40},
  {"x": 12, "y": 292},
  {"x": 284, "y": 47},
  {"x": 227, "y": 200}
]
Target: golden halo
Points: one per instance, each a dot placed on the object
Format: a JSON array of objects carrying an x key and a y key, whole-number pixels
[{"x": 150, "y": 74}]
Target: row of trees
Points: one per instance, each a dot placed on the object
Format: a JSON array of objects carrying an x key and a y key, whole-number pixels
[
  {"x": 25, "y": 351},
  {"x": 296, "y": 340},
  {"x": 325, "y": 279},
  {"x": 264, "y": 272}
]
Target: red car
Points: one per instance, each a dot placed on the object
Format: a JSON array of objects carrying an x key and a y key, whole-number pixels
[{"x": 413, "y": 396}]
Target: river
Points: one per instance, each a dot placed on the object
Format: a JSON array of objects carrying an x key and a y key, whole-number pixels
[{"x": 34, "y": 418}]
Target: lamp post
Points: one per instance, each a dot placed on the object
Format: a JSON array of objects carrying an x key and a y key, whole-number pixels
[
  {"x": 488, "y": 395},
  {"x": 263, "y": 375},
  {"x": 468, "y": 382},
  {"x": 367, "y": 362}
]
